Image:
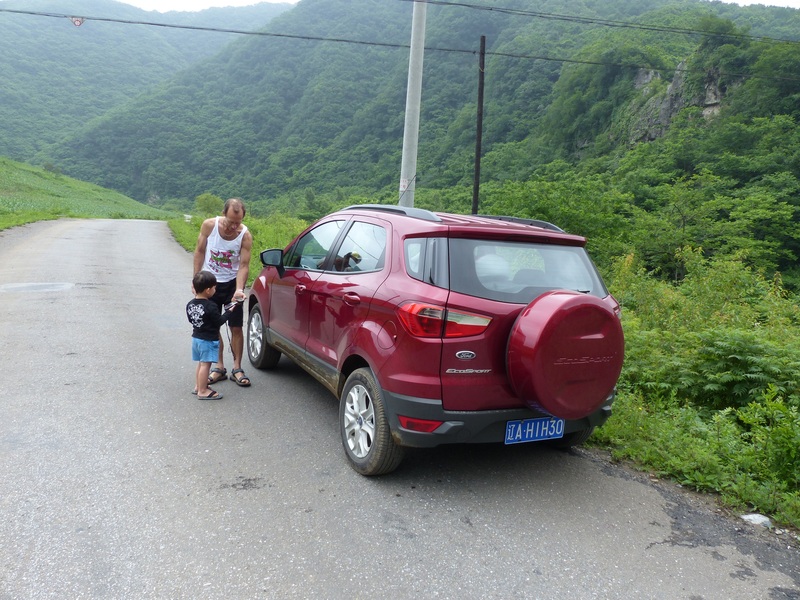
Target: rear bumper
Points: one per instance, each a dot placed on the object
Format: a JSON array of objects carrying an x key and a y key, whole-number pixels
[{"x": 463, "y": 427}]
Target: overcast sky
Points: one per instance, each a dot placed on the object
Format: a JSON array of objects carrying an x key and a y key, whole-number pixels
[
  {"x": 789, "y": 3},
  {"x": 194, "y": 5}
]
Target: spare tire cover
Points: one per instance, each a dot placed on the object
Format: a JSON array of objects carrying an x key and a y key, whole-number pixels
[{"x": 565, "y": 353}]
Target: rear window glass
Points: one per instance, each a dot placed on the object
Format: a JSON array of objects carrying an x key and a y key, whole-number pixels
[{"x": 518, "y": 272}]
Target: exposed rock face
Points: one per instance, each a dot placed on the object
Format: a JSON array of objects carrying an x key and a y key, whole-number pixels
[
  {"x": 713, "y": 98},
  {"x": 655, "y": 115}
]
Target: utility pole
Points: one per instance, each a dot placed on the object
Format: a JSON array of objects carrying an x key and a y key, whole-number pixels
[
  {"x": 476, "y": 186},
  {"x": 408, "y": 169}
]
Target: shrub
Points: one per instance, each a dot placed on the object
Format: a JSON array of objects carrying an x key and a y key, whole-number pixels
[{"x": 717, "y": 339}]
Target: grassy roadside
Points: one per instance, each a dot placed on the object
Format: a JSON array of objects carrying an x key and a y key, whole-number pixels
[
  {"x": 29, "y": 194},
  {"x": 710, "y": 388}
]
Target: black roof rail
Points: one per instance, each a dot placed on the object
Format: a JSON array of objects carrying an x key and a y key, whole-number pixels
[
  {"x": 533, "y": 222},
  {"x": 417, "y": 213}
]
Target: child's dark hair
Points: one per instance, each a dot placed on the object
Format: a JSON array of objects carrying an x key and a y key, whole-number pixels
[{"x": 203, "y": 280}]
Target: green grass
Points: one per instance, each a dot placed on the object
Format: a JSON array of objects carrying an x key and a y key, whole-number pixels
[
  {"x": 29, "y": 194},
  {"x": 710, "y": 388},
  {"x": 748, "y": 457}
]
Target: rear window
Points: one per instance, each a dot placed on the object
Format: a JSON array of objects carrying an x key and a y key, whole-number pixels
[{"x": 518, "y": 272}]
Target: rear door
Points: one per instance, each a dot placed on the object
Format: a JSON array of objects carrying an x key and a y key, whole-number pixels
[{"x": 499, "y": 278}]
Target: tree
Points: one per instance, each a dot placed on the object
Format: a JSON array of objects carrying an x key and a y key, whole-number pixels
[{"x": 207, "y": 205}]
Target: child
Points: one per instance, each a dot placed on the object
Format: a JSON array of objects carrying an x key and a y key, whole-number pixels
[{"x": 205, "y": 319}]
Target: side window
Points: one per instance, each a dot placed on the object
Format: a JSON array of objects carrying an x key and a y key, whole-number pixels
[
  {"x": 426, "y": 260},
  {"x": 309, "y": 251},
  {"x": 415, "y": 256},
  {"x": 363, "y": 249}
]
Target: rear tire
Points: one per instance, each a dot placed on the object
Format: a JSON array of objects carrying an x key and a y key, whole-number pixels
[
  {"x": 260, "y": 353},
  {"x": 575, "y": 438},
  {"x": 366, "y": 436}
]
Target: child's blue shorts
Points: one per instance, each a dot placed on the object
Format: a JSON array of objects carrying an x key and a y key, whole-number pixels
[{"x": 205, "y": 350}]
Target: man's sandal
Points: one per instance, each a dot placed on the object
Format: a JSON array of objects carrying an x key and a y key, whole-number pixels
[
  {"x": 216, "y": 375},
  {"x": 243, "y": 381}
]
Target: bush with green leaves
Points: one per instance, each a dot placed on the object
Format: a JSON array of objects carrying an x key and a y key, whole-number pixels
[
  {"x": 710, "y": 391},
  {"x": 717, "y": 339}
]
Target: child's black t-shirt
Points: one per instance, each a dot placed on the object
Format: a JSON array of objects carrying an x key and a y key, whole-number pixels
[{"x": 204, "y": 316}]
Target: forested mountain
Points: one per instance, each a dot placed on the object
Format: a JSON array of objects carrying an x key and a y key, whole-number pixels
[
  {"x": 647, "y": 125},
  {"x": 272, "y": 114},
  {"x": 57, "y": 76},
  {"x": 268, "y": 114}
]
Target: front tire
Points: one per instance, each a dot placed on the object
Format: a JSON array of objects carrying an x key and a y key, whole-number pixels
[
  {"x": 260, "y": 353},
  {"x": 366, "y": 436}
]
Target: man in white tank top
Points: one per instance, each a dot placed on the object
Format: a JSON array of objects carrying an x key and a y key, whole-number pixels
[{"x": 224, "y": 247}]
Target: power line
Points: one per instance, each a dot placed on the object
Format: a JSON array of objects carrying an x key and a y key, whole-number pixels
[
  {"x": 200, "y": 28},
  {"x": 398, "y": 45},
  {"x": 605, "y": 22}
]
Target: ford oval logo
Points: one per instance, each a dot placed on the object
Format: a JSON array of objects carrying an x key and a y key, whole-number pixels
[{"x": 465, "y": 355}]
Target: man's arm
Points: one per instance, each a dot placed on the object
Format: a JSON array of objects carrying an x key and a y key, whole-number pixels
[
  {"x": 244, "y": 263},
  {"x": 200, "y": 247}
]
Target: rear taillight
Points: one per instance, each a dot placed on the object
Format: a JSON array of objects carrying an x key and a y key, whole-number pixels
[
  {"x": 461, "y": 324},
  {"x": 429, "y": 320},
  {"x": 422, "y": 320}
]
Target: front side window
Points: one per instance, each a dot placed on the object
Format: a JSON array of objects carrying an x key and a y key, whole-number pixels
[
  {"x": 363, "y": 249},
  {"x": 309, "y": 251},
  {"x": 519, "y": 271}
]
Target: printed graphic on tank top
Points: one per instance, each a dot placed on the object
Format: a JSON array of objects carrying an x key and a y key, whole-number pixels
[{"x": 222, "y": 256}]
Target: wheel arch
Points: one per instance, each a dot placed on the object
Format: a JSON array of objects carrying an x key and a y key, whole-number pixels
[{"x": 350, "y": 364}]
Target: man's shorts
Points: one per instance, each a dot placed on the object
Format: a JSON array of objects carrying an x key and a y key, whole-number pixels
[
  {"x": 223, "y": 296},
  {"x": 205, "y": 350}
]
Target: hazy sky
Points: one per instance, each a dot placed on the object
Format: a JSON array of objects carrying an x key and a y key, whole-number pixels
[
  {"x": 194, "y": 5},
  {"x": 789, "y": 3}
]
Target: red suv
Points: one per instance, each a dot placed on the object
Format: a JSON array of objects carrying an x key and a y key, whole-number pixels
[{"x": 436, "y": 328}]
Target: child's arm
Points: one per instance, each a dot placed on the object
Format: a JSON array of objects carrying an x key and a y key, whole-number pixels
[{"x": 215, "y": 317}]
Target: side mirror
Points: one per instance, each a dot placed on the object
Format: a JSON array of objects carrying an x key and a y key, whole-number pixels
[{"x": 273, "y": 258}]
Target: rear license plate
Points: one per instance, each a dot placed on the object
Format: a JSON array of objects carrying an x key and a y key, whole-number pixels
[{"x": 534, "y": 430}]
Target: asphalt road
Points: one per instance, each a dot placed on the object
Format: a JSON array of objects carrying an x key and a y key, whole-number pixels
[{"x": 116, "y": 482}]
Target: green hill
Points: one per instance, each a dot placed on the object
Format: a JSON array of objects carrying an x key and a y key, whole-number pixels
[
  {"x": 57, "y": 77},
  {"x": 269, "y": 115},
  {"x": 30, "y": 194}
]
